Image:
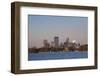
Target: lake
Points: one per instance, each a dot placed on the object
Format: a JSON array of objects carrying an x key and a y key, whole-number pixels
[{"x": 57, "y": 55}]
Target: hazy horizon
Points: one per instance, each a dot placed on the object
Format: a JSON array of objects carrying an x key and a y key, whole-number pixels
[{"x": 43, "y": 27}]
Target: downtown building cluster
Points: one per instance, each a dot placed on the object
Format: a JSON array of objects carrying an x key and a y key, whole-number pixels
[{"x": 57, "y": 44}]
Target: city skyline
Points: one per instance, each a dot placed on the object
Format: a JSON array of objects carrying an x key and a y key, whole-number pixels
[
  {"x": 47, "y": 27},
  {"x": 56, "y": 44}
]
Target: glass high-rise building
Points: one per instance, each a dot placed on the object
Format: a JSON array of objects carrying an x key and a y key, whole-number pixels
[
  {"x": 56, "y": 41},
  {"x": 46, "y": 44}
]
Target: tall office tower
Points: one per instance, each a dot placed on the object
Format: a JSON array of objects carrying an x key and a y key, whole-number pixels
[
  {"x": 67, "y": 40},
  {"x": 66, "y": 43},
  {"x": 61, "y": 45},
  {"x": 46, "y": 44},
  {"x": 52, "y": 44},
  {"x": 56, "y": 41}
]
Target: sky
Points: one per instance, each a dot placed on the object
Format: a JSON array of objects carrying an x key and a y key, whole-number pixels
[{"x": 46, "y": 27}]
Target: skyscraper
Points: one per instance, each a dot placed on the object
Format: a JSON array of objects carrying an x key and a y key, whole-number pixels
[
  {"x": 52, "y": 44},
  {"x": 61, "y": 45},
  {"x": 66, "y": 42},
  {"x": 56, "y": 41},
  {"x": 46, "y": 44}
]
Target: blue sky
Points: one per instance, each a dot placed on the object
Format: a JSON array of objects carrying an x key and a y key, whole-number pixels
[{"x": 43, "y": 27}]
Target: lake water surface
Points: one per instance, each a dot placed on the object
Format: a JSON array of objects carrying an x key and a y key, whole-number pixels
[{"x": 57, "y": 55}]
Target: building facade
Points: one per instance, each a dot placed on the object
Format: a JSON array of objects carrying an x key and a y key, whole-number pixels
[{"x": 56, "y": 41}]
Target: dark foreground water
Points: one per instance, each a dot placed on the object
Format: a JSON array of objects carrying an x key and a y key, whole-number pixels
[{"x": 57, "y": 55}]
